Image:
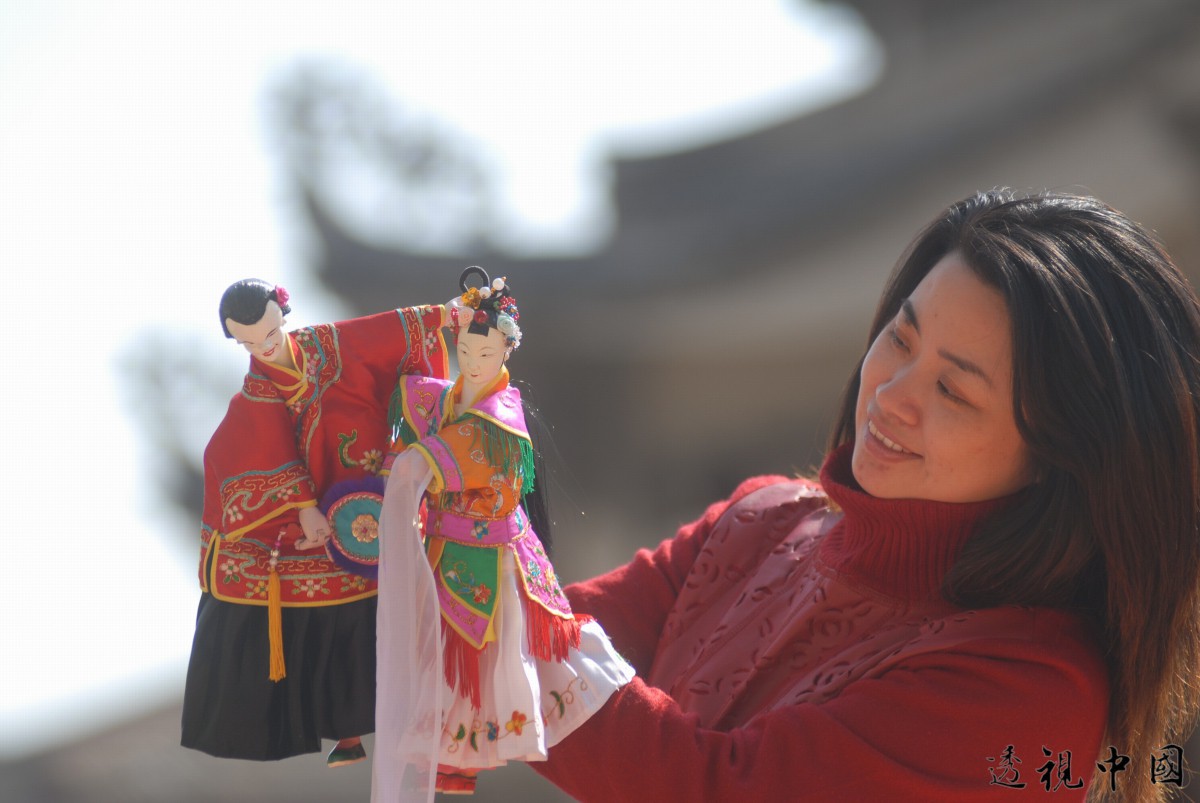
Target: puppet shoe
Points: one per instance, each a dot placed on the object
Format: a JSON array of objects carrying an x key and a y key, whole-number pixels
[
  {"x": 342, "y": 756},
  {"x": 461, "y": 782}
]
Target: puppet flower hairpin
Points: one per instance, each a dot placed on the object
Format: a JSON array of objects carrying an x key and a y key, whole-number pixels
[{"x": 281, "y": 295}]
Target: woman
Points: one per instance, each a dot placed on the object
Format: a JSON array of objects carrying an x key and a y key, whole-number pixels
[
  {"x": 284, "y": 650},
  {"x": 519, "y": 671},
  {"x": 991, "y": 591}
]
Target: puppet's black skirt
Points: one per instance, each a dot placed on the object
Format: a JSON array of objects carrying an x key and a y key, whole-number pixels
[{"x": 231, "y": 707}]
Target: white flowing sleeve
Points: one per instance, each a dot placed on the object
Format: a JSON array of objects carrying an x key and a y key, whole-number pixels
[{"x": 408, "y": 705}]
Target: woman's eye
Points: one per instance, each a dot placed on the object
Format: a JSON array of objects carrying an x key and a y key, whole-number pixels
[
  {"x": 894, "y": 336},
  {"x": 949, "y": 394}
]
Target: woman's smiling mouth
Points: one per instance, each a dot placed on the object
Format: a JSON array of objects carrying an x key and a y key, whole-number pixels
[{"x": 885, "y": 440}]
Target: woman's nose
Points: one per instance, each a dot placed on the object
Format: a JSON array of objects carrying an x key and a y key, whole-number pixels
[{"x": 896, "y": 399}]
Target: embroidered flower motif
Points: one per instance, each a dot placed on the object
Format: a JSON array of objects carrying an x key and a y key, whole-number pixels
[
  {"x": 517, "y": 722},
  {"x": 354, "y": 583},
  {"x": 430, "y": 341},
  {"x": 493, "y": 730},
  {"x": 233, "y": 513},
  {"x": 229, "y": 567},
  {"x": 479, "y": 530},
  {"x": 364, "y": 528},
  {"x": 533, "y": 569},
  {"x": 310, "y": 587},
  {"x": 372, "y": 460},
  {"x": 482, "y": 594},
  {"x": 256, "y": 588},
  {"x": 478, "y": 457}
]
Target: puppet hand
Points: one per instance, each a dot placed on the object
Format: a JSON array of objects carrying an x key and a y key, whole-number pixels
[
  {"x": 316, "y": 528},
  {"x": 454, "y": 312}
]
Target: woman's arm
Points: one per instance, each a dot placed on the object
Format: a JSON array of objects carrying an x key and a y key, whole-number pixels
[
  {"x": 632, "y": 602},
  {"x": 934, "y": 728}
]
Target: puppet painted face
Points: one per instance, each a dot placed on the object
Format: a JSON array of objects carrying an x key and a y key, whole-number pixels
[
  {"x": 480, "y": 359},
  {"x": 265, "y": 339},
  {"x": 934, "y": 418}
]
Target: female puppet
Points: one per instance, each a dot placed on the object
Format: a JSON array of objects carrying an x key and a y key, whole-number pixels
[
  {"x": 519, "y": 671},
  {"x": 284, "y": 650}
]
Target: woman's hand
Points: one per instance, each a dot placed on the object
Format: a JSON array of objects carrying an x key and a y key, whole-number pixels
[{"x": 316, "y": 528}]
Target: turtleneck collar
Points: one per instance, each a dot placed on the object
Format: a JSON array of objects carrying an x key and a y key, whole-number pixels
[{"x": 900, "y": 547}]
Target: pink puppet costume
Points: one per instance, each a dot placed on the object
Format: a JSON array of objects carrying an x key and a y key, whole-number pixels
[
  {"x": 284, "y": 649},
  {"x": 517, "y": 671}
]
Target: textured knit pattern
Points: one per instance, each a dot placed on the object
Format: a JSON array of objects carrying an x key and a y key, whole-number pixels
[{"x": 792, "y": 649}]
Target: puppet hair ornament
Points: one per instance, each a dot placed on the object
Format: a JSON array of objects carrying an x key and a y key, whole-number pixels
[{"x": 494, "y": 306}]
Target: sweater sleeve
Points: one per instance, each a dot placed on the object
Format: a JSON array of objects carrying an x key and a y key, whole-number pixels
[
  {"x": 631, "y": 603},
  {"x": 933, "y": 728}
]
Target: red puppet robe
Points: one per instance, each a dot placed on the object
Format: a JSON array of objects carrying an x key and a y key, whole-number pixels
[{"x": 290, "y": 435}]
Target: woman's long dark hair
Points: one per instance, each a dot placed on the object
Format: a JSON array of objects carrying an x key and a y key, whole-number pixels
[{"x": 1106, "y": 394}]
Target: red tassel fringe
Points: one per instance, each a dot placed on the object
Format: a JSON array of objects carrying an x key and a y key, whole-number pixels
[
  {"x": 461, "y": 663},
  {"x": 550, "y": 637}
]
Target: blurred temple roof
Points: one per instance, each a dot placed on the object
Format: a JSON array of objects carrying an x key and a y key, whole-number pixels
[{"x": 962, "y": 76}]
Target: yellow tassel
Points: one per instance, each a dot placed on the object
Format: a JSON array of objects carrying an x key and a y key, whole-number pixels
[{"x": 275, "y": 626}]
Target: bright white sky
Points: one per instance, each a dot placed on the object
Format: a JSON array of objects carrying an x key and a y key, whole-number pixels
[{"x": 135, "y": 184}]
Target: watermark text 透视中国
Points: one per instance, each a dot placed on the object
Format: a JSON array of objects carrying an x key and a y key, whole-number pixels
[{"x": 1166, "y": 767}]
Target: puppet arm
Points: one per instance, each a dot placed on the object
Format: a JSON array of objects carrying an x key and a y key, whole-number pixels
[{"x": 402, "y": 341}]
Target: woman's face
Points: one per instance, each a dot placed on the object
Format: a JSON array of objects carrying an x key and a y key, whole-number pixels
[
  {"x": 480, "y": 357},
  {"x": 934, "y": 418},
  {"x": 265, "y": 339}
]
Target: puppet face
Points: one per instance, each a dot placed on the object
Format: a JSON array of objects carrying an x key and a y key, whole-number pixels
[
  {"x": 934, "y": 418},
  {"x": 480, "y": 358},
  {"x": 265, "y": 339}
]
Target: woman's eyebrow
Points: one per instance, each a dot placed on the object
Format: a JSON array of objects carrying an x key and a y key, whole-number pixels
[{"x": 962, "y": 363}]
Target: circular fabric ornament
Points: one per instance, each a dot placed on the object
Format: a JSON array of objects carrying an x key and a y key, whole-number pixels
[{"x": 352, "y": 508}]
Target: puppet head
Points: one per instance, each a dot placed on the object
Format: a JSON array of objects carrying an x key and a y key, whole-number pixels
[
  {"x": 245, "y": 302},
  {"x": 252, "y": 313},
  {"x": 487, "y": 331}
]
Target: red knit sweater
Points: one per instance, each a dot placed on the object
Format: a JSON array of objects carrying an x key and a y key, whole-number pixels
[{"x": 786, "y": 651}]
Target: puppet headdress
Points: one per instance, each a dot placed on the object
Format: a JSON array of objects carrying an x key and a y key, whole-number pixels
[{"x": 493, "y": 306}]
